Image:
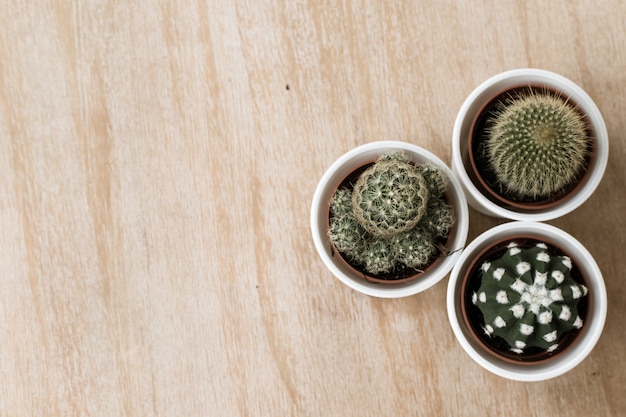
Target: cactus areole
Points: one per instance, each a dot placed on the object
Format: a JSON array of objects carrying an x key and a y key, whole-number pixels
[
  {"x": 525, "y": 300},
  {"x": 530, "y": 147},
  {"x": 390, "y": 218}
]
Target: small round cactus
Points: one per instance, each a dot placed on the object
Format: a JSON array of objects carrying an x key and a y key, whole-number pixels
[
  {"x": 414, "y": 248},
  {"x": 379, "y": 256},
  {"x": 395, "y": 217},
  {"x": 536, "y": 144},
  {"x": 348, "y": 235},
  {"x": 341, "y": 203},
  {"x": 438, "y": 218},
  {"x": 529, "y": 298},
  {"x": 436, "y": 180},
  {"x": 390, "y": 197}
]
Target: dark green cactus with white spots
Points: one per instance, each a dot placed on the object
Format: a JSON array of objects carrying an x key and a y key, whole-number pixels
[
  {"x": 529, "y": 298},
  {"x": 536, "y": 144},
  {"x": 396, "y": 214}
]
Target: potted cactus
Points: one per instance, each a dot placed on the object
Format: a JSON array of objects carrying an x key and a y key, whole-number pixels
[
  {"x": 527, "y": 306},
  {"x": 389, "y": 213},
  {"x": 527, "y": 301},
  {"x": 393, "y": 220},
  {"x": 529, "y": 145},
  {"x": 529, "y": 148}
]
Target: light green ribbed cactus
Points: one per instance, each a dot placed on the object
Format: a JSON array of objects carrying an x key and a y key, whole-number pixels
[
  {"x": 395, "y": 216},
  {"x": 390, "y": 197},
  {"x": 528, "y": 298},
  {"x": 536, "y": 145}
]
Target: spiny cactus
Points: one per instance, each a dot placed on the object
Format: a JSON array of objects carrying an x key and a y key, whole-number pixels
[
  {"x": 348, "y": 235},
  {"x": 529, "y": 298},
  {"x": 379, "y": 256},
  {"x": 341, "y": 203},
  {"x": 536, "y": 144},
  {"x": 414, "y": 248},
  {"x": 395, "y": 216},
  {"x": 438, "y": 218},
  {"x": 390, "y": 197},
  {"x": 436, "y": 180}
]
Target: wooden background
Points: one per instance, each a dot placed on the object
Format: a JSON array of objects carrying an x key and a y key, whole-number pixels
[{"x": 157, "y": 164}]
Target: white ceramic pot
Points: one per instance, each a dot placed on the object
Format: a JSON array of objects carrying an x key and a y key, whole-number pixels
[
  {"x": 498, "y": 84},
  {"x": 341, "y": 168},
  {"x": 594, "y": 321}
]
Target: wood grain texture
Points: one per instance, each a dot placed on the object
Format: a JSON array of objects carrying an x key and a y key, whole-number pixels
[{"x": 157, "y": 164}]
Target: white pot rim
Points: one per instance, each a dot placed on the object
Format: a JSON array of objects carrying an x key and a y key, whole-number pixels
[
  {"x": 566, "y": 360},
  {"x": 516, "y": 77},
  {"x": 319, "y": 205}
]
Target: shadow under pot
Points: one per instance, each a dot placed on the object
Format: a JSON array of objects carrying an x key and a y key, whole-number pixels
[
  {"x": 529, "y": 148},
  {"x": 524, "y": 300},
  {"x": 396, "y": 250}
]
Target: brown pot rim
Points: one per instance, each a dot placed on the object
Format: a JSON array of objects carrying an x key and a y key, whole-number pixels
[
  {"x": 571, "y": 338},
  {"x": 526, "y": 206},
  {"x": 361, "y": 273}
]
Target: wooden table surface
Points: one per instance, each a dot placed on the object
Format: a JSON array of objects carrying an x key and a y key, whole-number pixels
[{"x": 157, "y": 165}]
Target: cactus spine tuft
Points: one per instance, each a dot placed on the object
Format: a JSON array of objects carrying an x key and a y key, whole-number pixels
[{"x": 536, "y": 144}]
